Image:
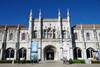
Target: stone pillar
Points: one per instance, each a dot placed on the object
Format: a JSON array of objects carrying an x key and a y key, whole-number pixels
[
  {"x": 28, "y": 54},
  {"x": 70, "y": 52},
  {"x": 46, "y": 34},
  {"x": 42, "y": 55},
  {"x": 84, "y": 55},
  {"x": 61, "y": 50},
  {"x": 56, "y": 55},
  {"x": 0, "y": 54},
  {"x": 39, "y": 51},
  {"x": 15, "y": 54}
]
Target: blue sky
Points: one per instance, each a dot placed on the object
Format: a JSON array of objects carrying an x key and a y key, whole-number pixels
[{"x": 14, "y": 12}]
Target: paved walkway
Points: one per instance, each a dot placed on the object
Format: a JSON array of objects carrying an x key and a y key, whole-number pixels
[{"x": 50, "y": 64}]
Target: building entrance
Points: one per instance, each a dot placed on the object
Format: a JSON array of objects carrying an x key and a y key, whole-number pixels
[{"x": 49, "y": 53}]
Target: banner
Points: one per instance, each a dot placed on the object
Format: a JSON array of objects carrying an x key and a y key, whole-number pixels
[
  {"x": 34, "y": 47},
  {"x": 34, "y": 51}
]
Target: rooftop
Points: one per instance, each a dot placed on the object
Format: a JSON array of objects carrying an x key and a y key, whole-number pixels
[
  {"x": 11, "y": 27},
  {"x": 79, "y": 26},
  {"x": 48, "y": 20}
]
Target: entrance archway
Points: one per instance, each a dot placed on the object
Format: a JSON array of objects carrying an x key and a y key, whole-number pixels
[
  {"x": 49, "y": 52},
  {"x": 89, "y": 52}
]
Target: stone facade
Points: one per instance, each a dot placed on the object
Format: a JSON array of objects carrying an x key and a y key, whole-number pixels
[{"x": 54, "y": 37}]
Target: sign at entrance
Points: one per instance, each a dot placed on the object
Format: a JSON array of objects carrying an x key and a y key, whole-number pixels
[
  {"x": 34, "y": 51},
  {"x": 34, "y": 47}
]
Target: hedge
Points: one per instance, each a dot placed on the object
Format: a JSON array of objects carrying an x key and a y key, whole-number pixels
[{"x": 76, "y": 61}]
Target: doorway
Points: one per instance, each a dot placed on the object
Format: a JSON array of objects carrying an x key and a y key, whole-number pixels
[{"x": 49, "y": 53}]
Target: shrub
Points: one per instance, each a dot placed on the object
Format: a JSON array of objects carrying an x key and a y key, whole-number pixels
[
  {"x": 70, "y": 61},
  {"x": 79, "y": 61},
  {"x": 95, "y": 62},
  {"x": 5, "y": 61}
]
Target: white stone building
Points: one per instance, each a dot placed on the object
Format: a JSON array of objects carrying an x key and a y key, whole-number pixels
[
  {"x": 49, "y": 39},
  {"x": 86, "y": 41}
]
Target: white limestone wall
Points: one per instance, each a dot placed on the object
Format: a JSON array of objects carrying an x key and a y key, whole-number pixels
[
  {"x": 91, "y": 35},
  {"x": 79, "y": 33},
  {"x": 25, "y": 43},
  {"x": 89, "y": 43},
  {"x": 66, "y": 50},
  {"x": 92, "y": 45}
]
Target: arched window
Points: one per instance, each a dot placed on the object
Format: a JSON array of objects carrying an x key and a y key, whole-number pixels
[
  {"x": 89, "y": 52},
  {"x": 10, "y": 36},
  {"x": 77, "y": 53},
  {"x": 10, "y": 53},
  {"x": 22, "y": 53},
  {"x": 88, "y": 36},
  {"x": 23, "y": 36}
]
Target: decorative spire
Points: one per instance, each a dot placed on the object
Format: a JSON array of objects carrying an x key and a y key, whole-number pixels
[
  {"x": 30, "y": 20},
  {"x": 18, "y": 27},
  {"x": 59, "y": 14},
  {"x": 30, "y": 16},
  {"x": 5, "y": 26},
  {"x": 68, "y": 15},
  {"x": 67, "y": 12},
  {"x": 31, "y": 12},
  {"x": 39, "y": 13}
]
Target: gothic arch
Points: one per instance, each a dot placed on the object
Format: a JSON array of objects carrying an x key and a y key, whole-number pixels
[
  {"x": 22, "y": 53},
  {"x": 10, "y": 53},
  {"x": 49, "y": 52},
  {"x": 89, "y": 52},
  {"x": 77, "y": 52}
]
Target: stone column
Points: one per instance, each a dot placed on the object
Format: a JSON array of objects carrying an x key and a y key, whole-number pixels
[
  {"x": 61, "y": 51},
  {"x": 70, "y": 52},
  {"x": 39, "y": 51},
  {"x": 0, "y": 54},
  {"x": 42, "y": 55},
  {"x": 15, "y": 54},
  {"x": 28, "y": 54}
]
